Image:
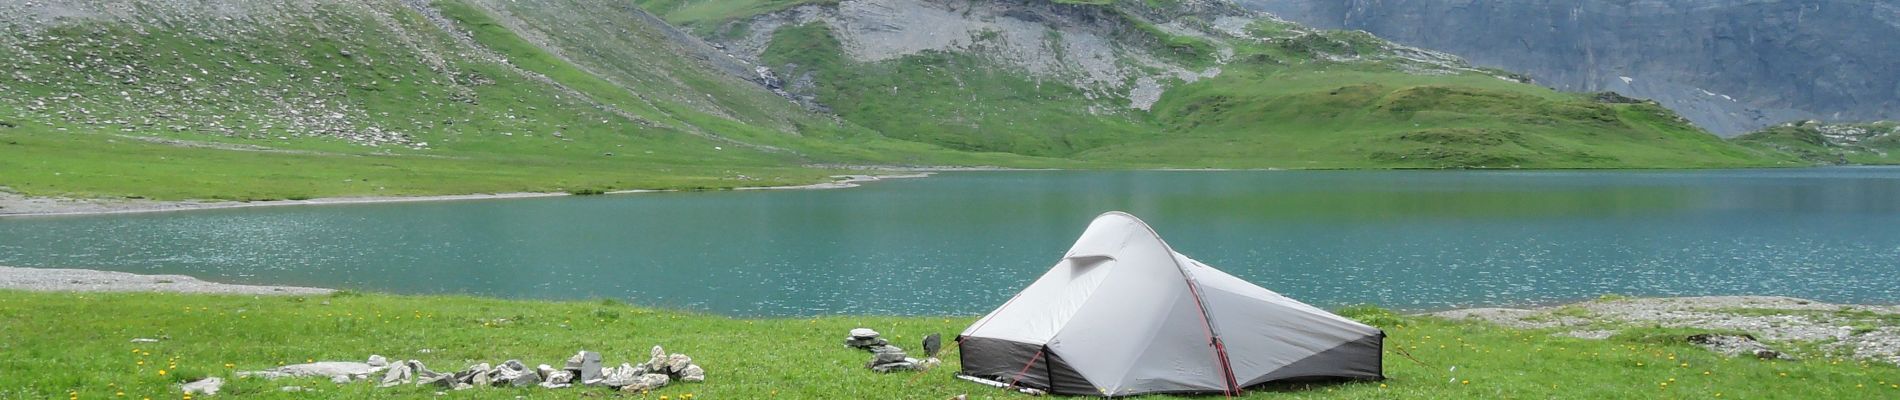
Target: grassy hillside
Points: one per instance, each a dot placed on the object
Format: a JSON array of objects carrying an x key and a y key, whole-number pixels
[
  {"x": 380, "y": 98},
  {"x": 1867, "y": 144},
  {"x": 63, "y": 345}
]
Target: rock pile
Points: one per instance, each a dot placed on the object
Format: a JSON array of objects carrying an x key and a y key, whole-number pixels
[
  {"x": 884, "y": 356},
  {"x": 583, "y": 369}
]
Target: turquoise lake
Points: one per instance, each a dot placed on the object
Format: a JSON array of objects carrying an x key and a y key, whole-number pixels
[{"x": 962, "y": 243}]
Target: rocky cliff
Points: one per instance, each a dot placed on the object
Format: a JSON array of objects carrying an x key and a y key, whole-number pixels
[{"x": 1732, "y": 66}]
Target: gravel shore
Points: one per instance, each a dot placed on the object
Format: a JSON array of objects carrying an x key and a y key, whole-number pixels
[
  {"x": 1861, "y": 331},
  {"x": 85, "y": 280}
]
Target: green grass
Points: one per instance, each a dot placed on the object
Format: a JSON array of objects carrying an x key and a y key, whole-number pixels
[{"x": 61, "y": 343}]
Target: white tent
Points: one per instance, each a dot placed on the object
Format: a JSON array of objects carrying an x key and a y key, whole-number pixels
[{"x": 1123, "y": 314}]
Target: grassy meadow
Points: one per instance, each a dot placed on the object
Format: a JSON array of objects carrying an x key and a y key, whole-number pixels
[{"x": 63, "y": 345}]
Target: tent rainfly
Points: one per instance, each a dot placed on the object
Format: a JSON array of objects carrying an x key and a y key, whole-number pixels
[{"x": 1123, "y": 314}]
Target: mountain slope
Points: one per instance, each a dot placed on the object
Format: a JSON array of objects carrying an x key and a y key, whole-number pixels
[
  {"x": 295, "y": 98},
  {"x": 1732, "y": 66},
  {"x": 244, "y": 100},
  {"x": 1191, "y": 83}
]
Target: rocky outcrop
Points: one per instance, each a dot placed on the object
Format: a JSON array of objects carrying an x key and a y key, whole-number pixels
[
  {"x": 1732, "y": 66},
  {"x": 1860, "y": 331}
]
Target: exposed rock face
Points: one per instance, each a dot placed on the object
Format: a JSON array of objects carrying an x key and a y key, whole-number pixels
[
  {"x": 1732, "y": 66},
  {"x": 1079, "y": 45}
]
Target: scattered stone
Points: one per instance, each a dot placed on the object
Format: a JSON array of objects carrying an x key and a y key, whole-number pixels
[
  {"x": 659, "y": 370},
  {"x": 206, "y": 386},
  {"x": 291, "y": 389},
  {"x": 144, "y": 340},
  {"x": 377, "y": 361},
  {"x": 1736, "y": 345}
]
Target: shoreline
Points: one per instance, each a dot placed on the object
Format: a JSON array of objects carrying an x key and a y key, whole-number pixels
[
  {"x": 11, "y": 203},
  {"x": 92, "y": 280}
]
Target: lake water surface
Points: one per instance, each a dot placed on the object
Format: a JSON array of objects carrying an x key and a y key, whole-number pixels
[{"x": 961, "y": 243}]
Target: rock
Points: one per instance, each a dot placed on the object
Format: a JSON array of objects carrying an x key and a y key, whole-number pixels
[
  {"x": 647, "y": 382},
  {"x": 1734, "y": 345},
  {"x": 692, "y": 373},
  {"x": 397, "y": 375},
  {"x": 514, "y": 373},
  {"x": 443, "y": 380},
  {"x": 865, "y": 343},
  {"x": 144, "y": 340},
  {"x": 321, "y": 368},
  {"x": 206, "y": 386},
  {"x": 887, "y": 354},
  {"x": 864, "y": 338},
  {"x": 559, "y": 377},
  {"x": 619, "y": 376},
  {"x": 896, "y": 366},
  {"x": 477, "y": 375},
  {"x": 290, "y": 389},
  {"x": 341, "y": 379},
  {"x": 588, "y": 363},
  {"x": 377, "y": 361},
  {"x": 677, "y": 363},
  {"x": 929, "y": 363}
]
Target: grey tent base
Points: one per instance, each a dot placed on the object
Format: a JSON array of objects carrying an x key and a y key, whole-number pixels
[{"x": 1010, "y": 363}]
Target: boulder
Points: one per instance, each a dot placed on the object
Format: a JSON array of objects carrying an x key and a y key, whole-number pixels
[
  {"x": 514, "y": 373},
  {"x": 206, "y": 386},
  {"x": 863, "y": 333},
  {"x": 692, "y": 373},
  {"x": 586, "y": 365},
  {"x": 377, "y": 361},
  {"x": 559, "y": 378},
  {"x": 647, "y": 382},
  {"x": 477, "y": 375},
  {"x": 622, "y": 375},
  {"x": 397, "y": 375},
  {"x": 677, "y": 363}
]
